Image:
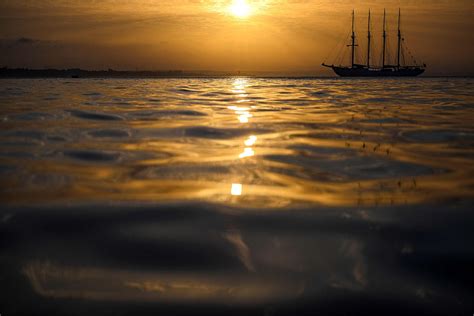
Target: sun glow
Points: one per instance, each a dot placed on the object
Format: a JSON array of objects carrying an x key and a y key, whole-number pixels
[{"x": 240, "y": 9}]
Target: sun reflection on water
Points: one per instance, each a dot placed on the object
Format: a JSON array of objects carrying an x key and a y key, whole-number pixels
[
  {"x": 236, "y": 189},
  {"x": 243, "y": 114},
  {"x": 239, "y": 87},
  {"x": 250, "y": 141},
  {"x": 248, "y": 152}
]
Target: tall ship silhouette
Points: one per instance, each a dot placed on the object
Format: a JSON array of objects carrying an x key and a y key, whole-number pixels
[{"x": 399, "y": 68}]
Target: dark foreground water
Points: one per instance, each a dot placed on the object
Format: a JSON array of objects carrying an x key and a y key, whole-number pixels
[{"x": 237, "y": 196}]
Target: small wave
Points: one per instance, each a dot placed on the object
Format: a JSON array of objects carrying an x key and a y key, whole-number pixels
[
  {"x": 329, "y": 151},
  {"x": 153, "y": 100},
  {"x": 23, "y": 143},
  {"x": 185, "y": 90},
  {"x": 318, "y": 93},
  {"x": 17, "y": 154},
  {"x": 220, "y": 133},
  {"x": 92, "y": 94},
  {"x": 436, "y": 136},
  {"x": 157, "y": 114},
  {"x": 376, "y": 100},
  {"x": 56, "y": 138},
  {"x": 180, "y": 112},
  {"x": 385, "y": 120},
  {"x": 354, "y": 167},
  {"x": 26, "y": 134},
  {"x": 32, "y": 116},
  {"x": 109, "y": 133},
  {"x": 95, "y": 116},
  {"x": 91, "y": 155},
  {"x": 180, "y": 172}
]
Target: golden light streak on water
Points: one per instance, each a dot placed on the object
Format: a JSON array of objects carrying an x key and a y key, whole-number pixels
[{"x": 236, "y": 189}]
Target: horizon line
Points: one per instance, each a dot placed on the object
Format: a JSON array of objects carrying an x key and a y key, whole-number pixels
[{"x": 189, "y": 73}]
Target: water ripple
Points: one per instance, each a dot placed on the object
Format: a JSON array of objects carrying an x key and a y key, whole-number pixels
[{"x": 242, "y": 140}]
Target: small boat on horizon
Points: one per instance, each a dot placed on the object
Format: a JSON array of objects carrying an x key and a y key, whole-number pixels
[{"x": 385, "y": 70}]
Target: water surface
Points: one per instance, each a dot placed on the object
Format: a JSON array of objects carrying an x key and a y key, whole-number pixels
[{"x": 265, "y": 196}]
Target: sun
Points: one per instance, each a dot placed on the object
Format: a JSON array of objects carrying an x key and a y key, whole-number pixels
[{"x": 240, "y": 9}]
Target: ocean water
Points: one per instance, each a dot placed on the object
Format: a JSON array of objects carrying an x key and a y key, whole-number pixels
[{"x": 237, "y": 196}]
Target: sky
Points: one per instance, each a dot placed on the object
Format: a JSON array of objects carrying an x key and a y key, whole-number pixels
[{"x": 277, "y": 36}]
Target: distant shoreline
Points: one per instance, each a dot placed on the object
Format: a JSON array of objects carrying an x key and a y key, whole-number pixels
[{"x": 76, "y": 73}]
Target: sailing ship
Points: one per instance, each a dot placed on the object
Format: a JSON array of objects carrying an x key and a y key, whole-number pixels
[{"x": 386, "y": 69}]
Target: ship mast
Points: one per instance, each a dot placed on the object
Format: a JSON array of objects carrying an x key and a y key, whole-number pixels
[
  {"x": 369, "y": 37},
  {"x": 353, "y": 37},
  {"x": 399, "y": 39},
  {"x": 384, "y": 35}
]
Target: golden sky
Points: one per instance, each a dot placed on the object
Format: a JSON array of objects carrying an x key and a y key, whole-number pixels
[{"x": 281, "y": 36}]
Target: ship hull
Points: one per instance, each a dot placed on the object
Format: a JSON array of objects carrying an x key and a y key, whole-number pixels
[{"x": 386, "y": 72}]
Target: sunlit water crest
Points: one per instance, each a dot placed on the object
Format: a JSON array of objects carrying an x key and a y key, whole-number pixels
[{"x": 240, "y": 191}]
